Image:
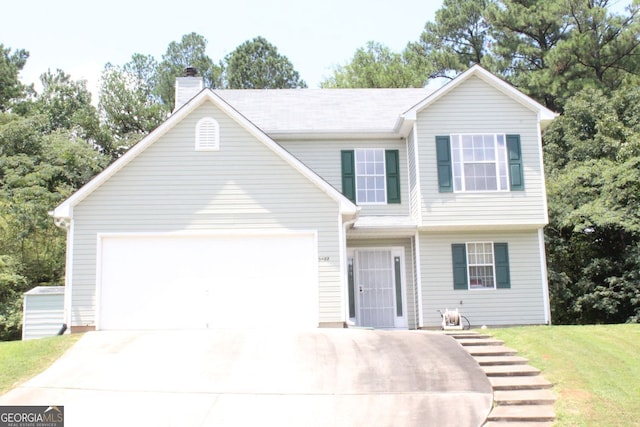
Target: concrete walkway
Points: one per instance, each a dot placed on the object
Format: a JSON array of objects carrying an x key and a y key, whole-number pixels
[{"x": 321, "y": 377}]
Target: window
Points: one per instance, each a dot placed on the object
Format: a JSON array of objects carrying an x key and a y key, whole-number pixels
[
  {"x": 207, "y": 135},
  {"x": 480, "y": 265},
  {"x": 371, "y": 175},
  {"x": 479, "y": 162},
  {"x": 482, "y": 162}
]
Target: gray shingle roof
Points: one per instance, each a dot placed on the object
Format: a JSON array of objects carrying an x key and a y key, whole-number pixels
[{"x": 323, "y": 110}]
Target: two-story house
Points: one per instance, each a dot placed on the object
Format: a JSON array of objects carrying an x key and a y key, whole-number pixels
[{"x": 307, "y": 207}]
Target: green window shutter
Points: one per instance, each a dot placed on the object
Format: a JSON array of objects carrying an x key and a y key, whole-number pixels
[
  {"x": 392, "y": 163},
  {"x": 443, "y": 154},
  {"x": 501, "y": 254},
  {"x": 459, "y": 256},
  {"x": 516, "y": 171},
  {"x": 348, "y": 174}
]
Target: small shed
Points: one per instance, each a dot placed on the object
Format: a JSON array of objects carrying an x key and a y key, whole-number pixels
[{"x": 43, "y": 313}]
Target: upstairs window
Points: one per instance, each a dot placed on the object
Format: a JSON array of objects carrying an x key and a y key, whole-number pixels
[
  {"x": 207, "y": 134},
  {"x": 479, "y": 163},
  {"x": 371, "y": 175}
]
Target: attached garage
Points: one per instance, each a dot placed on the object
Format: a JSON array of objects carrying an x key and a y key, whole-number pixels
[{"x": 225, "y": 280}]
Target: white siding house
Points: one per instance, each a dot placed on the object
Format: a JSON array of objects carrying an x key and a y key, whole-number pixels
[{"x": 306, "y": 208}]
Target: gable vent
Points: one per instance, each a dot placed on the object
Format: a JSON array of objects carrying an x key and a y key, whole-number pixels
[{"x": 207, "y": 134}]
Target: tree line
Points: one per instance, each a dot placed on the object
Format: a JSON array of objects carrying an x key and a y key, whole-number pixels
[{"x": 576, "y": 57}]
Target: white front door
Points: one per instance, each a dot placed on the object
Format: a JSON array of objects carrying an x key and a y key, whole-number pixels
[{"x": 378, "y": 288}]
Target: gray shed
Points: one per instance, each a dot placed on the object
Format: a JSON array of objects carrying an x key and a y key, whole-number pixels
[{"x": 43, "y": 313}]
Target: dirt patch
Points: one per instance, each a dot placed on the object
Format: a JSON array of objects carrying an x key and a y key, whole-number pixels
[{"x": 576, "y": 401}]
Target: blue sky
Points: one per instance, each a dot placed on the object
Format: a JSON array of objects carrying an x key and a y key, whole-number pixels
[{"x": 81, "y": 36}]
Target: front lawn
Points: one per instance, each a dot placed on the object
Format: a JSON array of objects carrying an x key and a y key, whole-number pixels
[
  {"x": 22, "y": 360},
  {"x": 595, "y": 370}
]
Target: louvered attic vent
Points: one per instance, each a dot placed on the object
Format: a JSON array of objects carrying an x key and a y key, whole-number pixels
[{"x": 207, "y": 135}]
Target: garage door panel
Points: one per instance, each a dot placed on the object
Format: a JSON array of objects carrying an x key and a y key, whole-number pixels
[
  {"x": 145, "y": 285},
  {"x": 175, "y": 282}
]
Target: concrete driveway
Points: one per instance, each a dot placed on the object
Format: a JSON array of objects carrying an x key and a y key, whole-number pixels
[{"x": 321, "y": 377}]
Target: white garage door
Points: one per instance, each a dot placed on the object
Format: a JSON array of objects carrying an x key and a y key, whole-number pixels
[{"x": 211, "y": 281}]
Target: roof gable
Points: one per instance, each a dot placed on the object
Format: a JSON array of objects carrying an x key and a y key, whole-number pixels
[
  {"x": 545, "y": 116},
  {"x": 65, "y": 209}
]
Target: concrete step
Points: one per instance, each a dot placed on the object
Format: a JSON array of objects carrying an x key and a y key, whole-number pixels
[
  {"x": 510, "y": 370},
  {"x": 523, "y": 397},
  {"x": 490, "y": 350},
  {"x": 519, "y": 383},
  {"x": 467, "y": 334},
  {"x": 518, "y": 424},
  {"x": 500, "y": 360},
  {"x": 481, "y": 341},
  {"x": 523, "y": 413}
]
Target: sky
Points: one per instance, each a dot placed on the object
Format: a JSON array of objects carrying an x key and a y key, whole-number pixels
[{"x": 81, "y": 36}]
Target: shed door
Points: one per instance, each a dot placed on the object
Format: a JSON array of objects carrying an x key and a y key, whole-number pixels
[{"x": 209, "y": 281}]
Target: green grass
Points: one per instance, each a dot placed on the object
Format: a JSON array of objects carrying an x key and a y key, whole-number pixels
[
  {"x": 22, "y": 360},
  {"x": 595, "y": 370}
]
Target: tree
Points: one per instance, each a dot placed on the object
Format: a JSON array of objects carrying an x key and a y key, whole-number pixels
[
  {"x": 67, "y": 103},
  {"x": 47, "y": 150},
  {"x": 37, "y": 171},
  {"x": 601, "y": 49},
  {"x": 593, "y": 171},
  {"x": 189, "y": 52},
  {"x": 525, "y": 32},
  {"x": 10, "y": 66},
  {"x": 128, "y": 104},
  {"x": 459, "y": 38},
  {"x": 12, "y": 286},
  {"x": 256, "y": 64},
  {"x": 375, "y": 65}
]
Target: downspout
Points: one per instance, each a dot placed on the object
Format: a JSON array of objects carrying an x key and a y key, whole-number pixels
[
  {"x": 66, "y": 223},
  {"x": 543, "y": 256},
  {"x": 418, "y": 280},
  {"x": 545, "y": 277},
  {"x": 345, "y": 266},
  {"x": 418, "y": 211}
]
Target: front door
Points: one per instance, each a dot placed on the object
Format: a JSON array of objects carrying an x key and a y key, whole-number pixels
[{"x": 377, "y": 287}]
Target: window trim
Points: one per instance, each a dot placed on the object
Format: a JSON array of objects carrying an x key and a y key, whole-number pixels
[
  {"x": 207, "y": 134},
  {"x": 493, "y": 266},
  {"x": 498, "y": 159},
  {"x": 384, "y": 176}
]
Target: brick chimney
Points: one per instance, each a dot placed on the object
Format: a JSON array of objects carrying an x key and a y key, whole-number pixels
[{"x": 188, "y": 86}]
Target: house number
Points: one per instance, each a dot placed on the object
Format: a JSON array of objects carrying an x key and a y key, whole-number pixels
[{"x": 323, "y": 258}]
